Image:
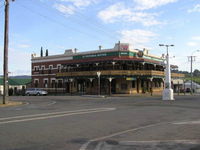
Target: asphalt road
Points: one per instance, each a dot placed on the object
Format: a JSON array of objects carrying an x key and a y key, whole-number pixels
[{"x": 89, "y": 123}]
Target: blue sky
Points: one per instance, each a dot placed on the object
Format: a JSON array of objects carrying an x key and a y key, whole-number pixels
[{"x": 85, "y": 24}]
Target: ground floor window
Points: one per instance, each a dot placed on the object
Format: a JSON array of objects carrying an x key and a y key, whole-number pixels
[
  {"x": 133, "y": 84},
  {"x": 124, "y": 86}
]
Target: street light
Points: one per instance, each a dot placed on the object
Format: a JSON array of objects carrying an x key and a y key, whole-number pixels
[
  {"x": 167, "y": 92},
  {"x": 99, "y": 86},
  {"x": 71, "y": 85},
  {"x": 110, "y": 80},
  {"x": 191, "y": 70}
]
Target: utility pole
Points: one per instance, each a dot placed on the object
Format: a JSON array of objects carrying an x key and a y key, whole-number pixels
[
  {"x": 191, "y": 59},
  {"x": 5, "y": 65}
]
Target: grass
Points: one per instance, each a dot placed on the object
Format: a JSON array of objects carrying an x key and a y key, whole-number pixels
[{"x": 195, "y": 79}]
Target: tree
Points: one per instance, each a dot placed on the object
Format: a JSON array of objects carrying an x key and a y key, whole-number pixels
[{"x": 196, "y": 73}]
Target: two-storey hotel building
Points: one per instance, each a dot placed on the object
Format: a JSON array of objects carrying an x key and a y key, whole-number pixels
[{"x": 121, "y": 69}]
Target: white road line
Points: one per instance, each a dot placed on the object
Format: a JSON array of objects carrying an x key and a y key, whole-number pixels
[
  {"x": 126, "y": 131},
  {"x": 187, "y": 122},
  {"x": 54, "y": 113},
  {"x": 195, "y": 141},
  {"x": 84, "y": 146},
  {"x": 55, "y": 116},
  {"x": 52, "y": 103}
]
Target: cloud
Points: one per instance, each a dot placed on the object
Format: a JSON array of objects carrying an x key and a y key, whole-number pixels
[
  {"x": 196, "y": 8},
  {"x": 194, "y": 41},
  {"x": 67, "y": 10},
  {"x": 118, "y": 13},
  {"x": 192, "y": 44},
  {"x": 148, "y": 4},
  {"x": 114, "y": 12},
  {"x": 17, "y": 59},
  {"x": 23, "y": 46},
  {"x": 69, "y": 7},
  {"x": 139, "y": 38},
  {"x": 196, "y": 38},
  {"x": 80, "y": 3}
]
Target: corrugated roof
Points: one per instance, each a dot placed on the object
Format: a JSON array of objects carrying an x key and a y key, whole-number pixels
[{"x": 13, "y": 81}]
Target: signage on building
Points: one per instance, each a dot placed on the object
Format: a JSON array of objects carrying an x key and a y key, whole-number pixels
[
  {"x": 140, "y": 54},
  {"x": 131, "y": 79},
  {"x": 105, "y": 55},
  {"x": 124, "y": 47}
]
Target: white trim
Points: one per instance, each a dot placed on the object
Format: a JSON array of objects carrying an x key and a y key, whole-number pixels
[
  {"x": 53, "y": 79},
  {"x": 46, "y": 79},
  {"x": 60, "y": 80},
  {"x": 43, "y": 75},
  {"x": 36, "y": 80},
  {"x": 42, "y": 66},
  {"x": 51, "y": 66},
  {"x": 52, "y": 59}
]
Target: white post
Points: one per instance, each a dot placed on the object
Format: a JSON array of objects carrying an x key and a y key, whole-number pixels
[
  {"x": 99, "y": 82},
  {"x": 168, "y": 93}
]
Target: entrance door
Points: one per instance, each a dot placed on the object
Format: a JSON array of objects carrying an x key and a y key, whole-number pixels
[
  {"x": 113, "y": 86},
  {"x": 81, "y": 86},
  {"x": 67, "y": 87}
]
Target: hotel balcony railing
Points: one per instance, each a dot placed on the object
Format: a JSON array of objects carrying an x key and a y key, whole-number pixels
[{"x": 118, "y": 73}]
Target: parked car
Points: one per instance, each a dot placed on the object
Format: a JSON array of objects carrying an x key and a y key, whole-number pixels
[{"x": 35, "y": 91}]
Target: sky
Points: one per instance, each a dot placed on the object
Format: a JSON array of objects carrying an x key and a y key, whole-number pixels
[{"x": 57, "y": 25}]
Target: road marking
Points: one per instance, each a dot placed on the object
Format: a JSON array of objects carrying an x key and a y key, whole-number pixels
[
  {"x": 52, "y": 113},
  {"x": 187, "y": 122},
  {"x": 84, "y": 146},
  {"x": 195, "y": 141},
  {"x": 52, "y": 103},
  {"x": 59, "y": 115}
]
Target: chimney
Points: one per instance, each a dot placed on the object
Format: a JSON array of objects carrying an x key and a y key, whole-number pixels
[
  {"x": 75, "y": 50},
  {"x": 47, "y": 53},
  {"x": 41, "y": 52},
  {"x": 100, "y": 47}
]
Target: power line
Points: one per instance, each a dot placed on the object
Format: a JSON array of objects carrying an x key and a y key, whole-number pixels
[
  {"x": 81, "y": 16},
  {"x": 56, "y": 22}
]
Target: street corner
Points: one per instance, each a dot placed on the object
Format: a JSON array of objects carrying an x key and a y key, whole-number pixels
[
  {"x": 11, "y": 103},
  {"x": 144, "y": 145}
]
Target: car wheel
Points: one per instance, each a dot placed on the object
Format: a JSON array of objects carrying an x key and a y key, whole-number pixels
[
  {"x": 38, "y": 94},
  {"x": 28, "y": 94}
]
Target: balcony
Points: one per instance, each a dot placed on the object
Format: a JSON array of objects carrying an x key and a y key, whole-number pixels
[{"x": 117, "y": 73}]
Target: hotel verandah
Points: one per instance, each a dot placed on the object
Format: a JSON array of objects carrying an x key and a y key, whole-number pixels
[{"x": 121, "y": 70}]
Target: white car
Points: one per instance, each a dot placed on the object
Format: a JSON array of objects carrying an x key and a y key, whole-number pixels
[{"x": 35, "y": 91}]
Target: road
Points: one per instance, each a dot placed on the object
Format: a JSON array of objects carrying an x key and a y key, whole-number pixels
[{"x": 91, "y": 123}]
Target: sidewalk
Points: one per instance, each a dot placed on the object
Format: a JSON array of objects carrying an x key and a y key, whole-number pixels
[{"x": 9, "y": 103}]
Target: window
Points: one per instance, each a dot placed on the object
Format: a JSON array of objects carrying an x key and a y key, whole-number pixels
[
  {"x": 36, "y": 82},
  {"x": 59, "y": 69},
  {"x": 133, "y": 84},
  {"x": 142, "y": 83},
  {"x": 53, "y": 83},
  {"x": 42, "y": 69},
  {"x": 45, "y": 83},
  {"x": 50, "y": 68},
  {"x": 59, "y": 83},
  {"x": 124, "y": 86},
  {"x": 35, "y": 68}
]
